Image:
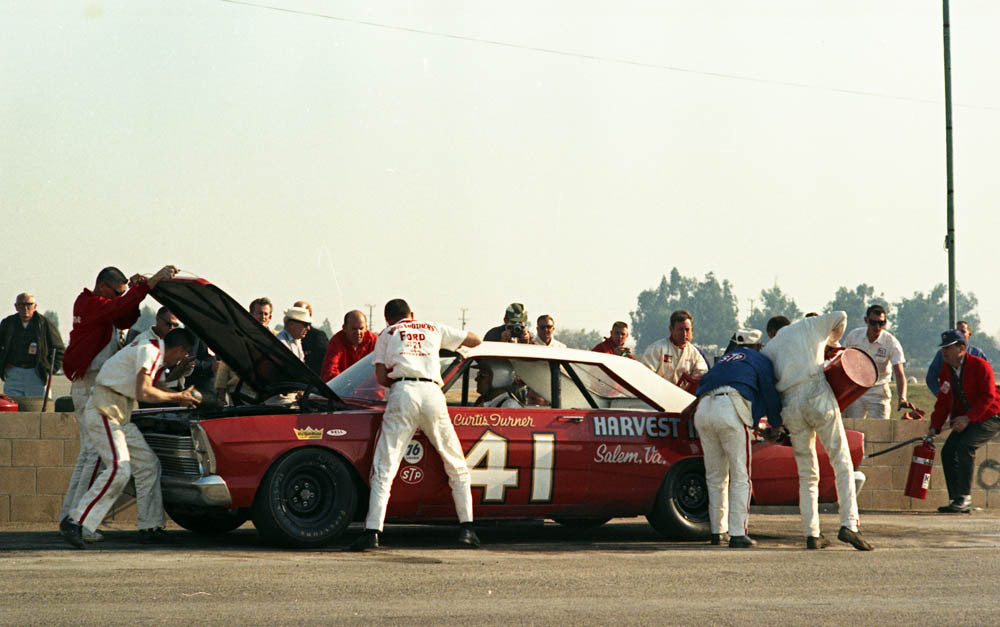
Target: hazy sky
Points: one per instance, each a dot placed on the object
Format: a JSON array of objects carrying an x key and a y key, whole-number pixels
[{"x": 563, "y": 154}]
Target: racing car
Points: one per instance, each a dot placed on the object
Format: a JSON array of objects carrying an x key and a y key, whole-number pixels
[{"x": 591, "y": 437}]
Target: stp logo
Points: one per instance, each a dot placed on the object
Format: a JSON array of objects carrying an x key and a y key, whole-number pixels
[{"x": 411, "y": 475}]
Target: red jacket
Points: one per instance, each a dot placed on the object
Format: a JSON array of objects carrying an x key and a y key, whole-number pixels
[
  {"x": 979, "y": 387},
  {"x": 340, "y": 354},
  {"x": 94, "y": 319},
  {"x": 607, "y": 347}
]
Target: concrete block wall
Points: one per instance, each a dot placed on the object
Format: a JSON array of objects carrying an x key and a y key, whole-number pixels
[
  {"x": 37, "y": 455},
  {"x": 887, "y": 473}
]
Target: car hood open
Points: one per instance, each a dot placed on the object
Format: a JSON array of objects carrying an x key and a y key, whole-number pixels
[{"x": 250, "y": 349}]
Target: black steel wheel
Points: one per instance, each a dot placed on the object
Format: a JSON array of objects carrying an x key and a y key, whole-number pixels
[
  {"x": 681, "y": 508},
  {"x": 204, "y": 519},
  {"x": 307, "y": 498}
]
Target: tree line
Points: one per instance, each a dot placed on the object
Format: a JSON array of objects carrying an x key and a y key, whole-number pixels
[{"x": 916, "y": 321}]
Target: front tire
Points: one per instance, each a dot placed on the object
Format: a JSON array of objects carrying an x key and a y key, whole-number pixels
[
  {"x": 681, "y": 508},
  {"x": 307, "y": 499}
]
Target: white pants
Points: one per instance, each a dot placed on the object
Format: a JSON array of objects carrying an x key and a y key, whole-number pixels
[
  {"x": 876, "y": 402},
  {"x": 87, "y": 461},
  {"x": 725, "y": 439},
  {"x": 413, "y": 405},
  {"x": 125, "y": 454},
  {"x": 810, "y": 409}
]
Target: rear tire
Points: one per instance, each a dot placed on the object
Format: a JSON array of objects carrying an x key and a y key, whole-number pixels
[
  {"x": 681, "y": 508},
  {"x": 307, "y": 499},
  {"x": 206, "y": 520}
]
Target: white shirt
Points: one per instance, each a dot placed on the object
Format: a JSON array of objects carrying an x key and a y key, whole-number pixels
[
  {"x": 797, "y": 350},
  {"x": 885, "y": 350},
  {"x": 121, "y": 369},
  {"x": 410, "y": 348},
  {"x": 670, "y": 362},
  {"x": 293, "y": 345},
  {"x": 554, "y": 343},
  {"x": 503, "y": 400}
]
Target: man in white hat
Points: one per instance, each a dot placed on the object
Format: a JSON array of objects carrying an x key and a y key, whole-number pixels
[
  {"x": 733, "y": 396},
  {"x": 298, "y": 321}
]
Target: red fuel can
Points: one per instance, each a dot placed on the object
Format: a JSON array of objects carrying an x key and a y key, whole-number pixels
[
  {"x": 920, "y": 470},
  {"x": 850, "y": 373}
]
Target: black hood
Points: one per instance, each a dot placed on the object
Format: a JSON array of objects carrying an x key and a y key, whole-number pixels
[{"x": 250, "y": 349}]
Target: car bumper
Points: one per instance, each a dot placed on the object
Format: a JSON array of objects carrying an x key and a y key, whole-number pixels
[{"x": 210, "y": 490}]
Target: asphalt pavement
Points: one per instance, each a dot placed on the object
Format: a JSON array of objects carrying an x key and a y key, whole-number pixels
[{"x": 926, "y": 569}]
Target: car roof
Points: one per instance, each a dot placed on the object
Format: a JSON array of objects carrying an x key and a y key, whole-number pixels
[{"x": 668, "y": 396}]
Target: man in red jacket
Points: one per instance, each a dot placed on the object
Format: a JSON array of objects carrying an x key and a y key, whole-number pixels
[
  {"x": 96, "y": 314},
  {"x": 968, "y": 396},
  {"x": 348, "y": 345}
]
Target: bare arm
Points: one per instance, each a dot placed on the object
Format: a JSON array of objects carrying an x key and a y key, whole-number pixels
[
  {"x": 471, "y": 340},
  {"x": 897, "y": 371},
  {"x": 146, "y": 392},
  {"x": 382, "y": 374}
]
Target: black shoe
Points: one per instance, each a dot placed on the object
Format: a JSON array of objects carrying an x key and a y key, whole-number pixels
[
  {"x": 854, "y": 539},
  {"x": 741, "y": 542},
  {"x": 817, "y": 543},
  {"x": 155, "y": 535},
  {"x": 468, "y": 539},
  {"x": 961, "y": 505},
  {"x": 72, "y": 532},
  {"x": 367, "y": 541}
]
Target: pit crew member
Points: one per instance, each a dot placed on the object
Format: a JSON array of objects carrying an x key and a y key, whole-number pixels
[
  {"x": 884, "y": 349},
  {"x": 406, "y": 361},
  {"x": 935, "y": 368},
  {"x": 809, "y": 408},
  {"x": 675, "y": 358}
]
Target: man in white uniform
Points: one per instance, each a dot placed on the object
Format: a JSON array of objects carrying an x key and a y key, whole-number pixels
[
  {"x": 406, "y": 361},
  {"x": 885, "y": 349},
  {"x": 546, "y": 329},
  {"x": 809, "y": 408},
  {"x": 129, "y": 375},
  {"x": 675, "y": 358}
]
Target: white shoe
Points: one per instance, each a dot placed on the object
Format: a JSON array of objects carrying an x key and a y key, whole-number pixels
[{"x": 92, "y": 536}]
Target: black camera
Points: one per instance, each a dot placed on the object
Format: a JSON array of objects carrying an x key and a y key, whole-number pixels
[{"x": 516, "y": 329}]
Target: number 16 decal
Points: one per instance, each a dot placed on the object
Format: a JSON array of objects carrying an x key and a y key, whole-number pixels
[{"x": 487, "y": 461}]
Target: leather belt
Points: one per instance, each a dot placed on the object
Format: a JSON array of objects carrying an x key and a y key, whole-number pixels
[{"x": 395, "y": 381}]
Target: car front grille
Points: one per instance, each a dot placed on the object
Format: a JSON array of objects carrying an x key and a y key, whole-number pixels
[{"x": 176, "y": 453}]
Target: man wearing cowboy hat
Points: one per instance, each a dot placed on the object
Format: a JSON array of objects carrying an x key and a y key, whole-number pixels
[
  {"x": 968, "y": 395},
  {"x": 297, "y": 324}
]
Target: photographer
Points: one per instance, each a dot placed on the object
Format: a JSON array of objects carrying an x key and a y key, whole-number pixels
[{"x": 513, "y": 328}]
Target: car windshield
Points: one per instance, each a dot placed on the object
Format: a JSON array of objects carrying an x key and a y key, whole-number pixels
[{"x": 358, "y": 382}]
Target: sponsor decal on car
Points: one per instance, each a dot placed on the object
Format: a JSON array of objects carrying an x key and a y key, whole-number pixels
[
  {"x": 336, "y": 433},
  {"x": 309, "y": 433},
  {"x": 492, "y": 420},
  {"x": 414, "y": 452},
  {"x": 637, "y": 427},
  {"x": 626, "y": 455},
  {"x": 411, "y": 475}
]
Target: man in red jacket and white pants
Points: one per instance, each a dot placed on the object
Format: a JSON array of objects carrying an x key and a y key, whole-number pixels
[
  {"x": 96, "y": 314},
  {"x": 968, "y": 396}
]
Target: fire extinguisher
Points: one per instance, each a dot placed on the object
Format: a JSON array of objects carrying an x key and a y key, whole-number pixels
[{"x": 920, "y": 469}]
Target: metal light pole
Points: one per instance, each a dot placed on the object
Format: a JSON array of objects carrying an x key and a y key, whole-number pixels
[{"x": 949, "y": 240}]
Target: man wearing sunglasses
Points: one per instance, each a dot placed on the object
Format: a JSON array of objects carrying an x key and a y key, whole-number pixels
[
  {"x": 886, "y": 351},
  {"x": 27, "y": 343}
]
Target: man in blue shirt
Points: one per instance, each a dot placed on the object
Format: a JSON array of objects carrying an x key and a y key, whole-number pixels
[
  {"x": 733, "y": 396},
  {"x": 965, "y": 329}
]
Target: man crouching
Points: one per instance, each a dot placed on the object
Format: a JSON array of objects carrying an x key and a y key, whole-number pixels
[{"x": 129, "y": 376}]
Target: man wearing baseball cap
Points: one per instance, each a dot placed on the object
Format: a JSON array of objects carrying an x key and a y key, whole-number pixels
[
  {"x": 968, "y": 395},
  {"x": 733, "y": 396},
  {"x": 513, "y": 328}
]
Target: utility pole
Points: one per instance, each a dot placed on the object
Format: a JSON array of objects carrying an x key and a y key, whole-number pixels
[
  {"x": 371, "y": 308},
  {"x": 949, "y": 238},
  {"x": 463, "y": 310}
]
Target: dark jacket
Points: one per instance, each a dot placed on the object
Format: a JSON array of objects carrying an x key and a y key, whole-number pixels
[
  {"x": 752, "y": 375},
  {"x": 46, "y": 336}
]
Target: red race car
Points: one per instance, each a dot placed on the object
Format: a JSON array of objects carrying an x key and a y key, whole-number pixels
[{"x": 583, "y": 437}]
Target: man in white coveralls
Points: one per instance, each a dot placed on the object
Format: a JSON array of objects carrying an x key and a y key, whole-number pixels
[
  {"x": 809, "y": 408},
  {"x": 406, "y": 361}
]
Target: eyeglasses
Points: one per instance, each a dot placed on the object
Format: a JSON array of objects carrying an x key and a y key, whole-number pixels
[
  {"x": 24, "y": 305},
  {"x": 876, "y": 323},
  {"x": 547, "y": 326}
]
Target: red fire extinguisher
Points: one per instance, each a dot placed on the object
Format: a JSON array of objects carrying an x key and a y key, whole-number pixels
[{"x": 920, "y": 469}]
